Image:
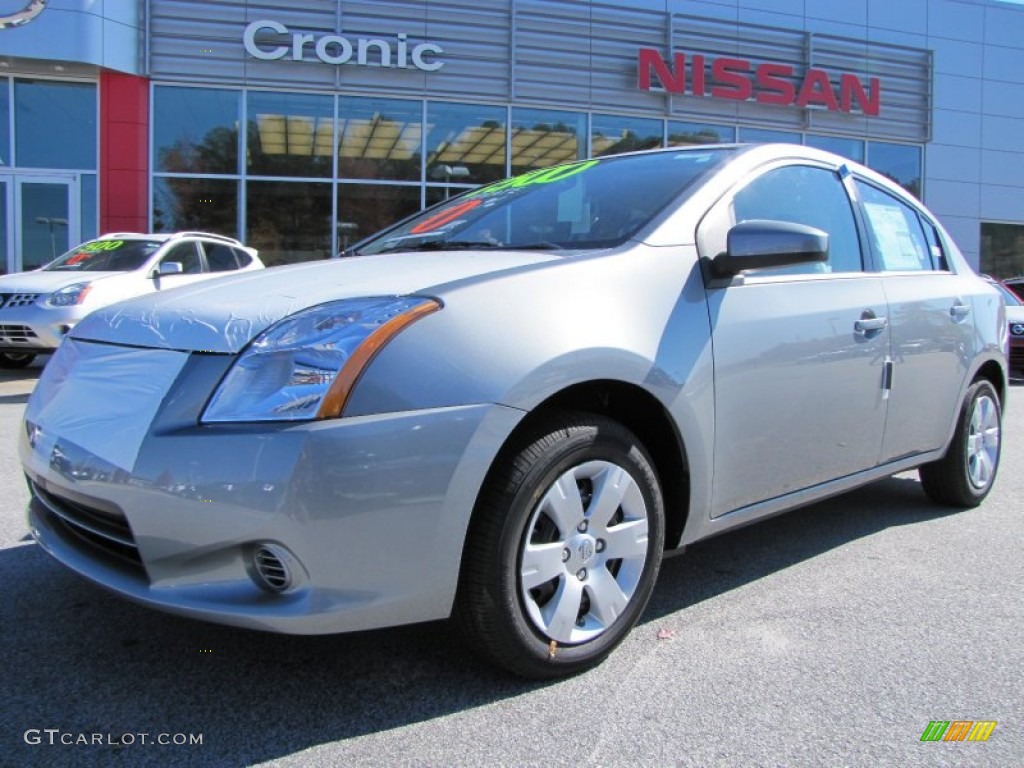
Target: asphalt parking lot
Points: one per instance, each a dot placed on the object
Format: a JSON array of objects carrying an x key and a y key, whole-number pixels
[{"x": 829, "y": 636}]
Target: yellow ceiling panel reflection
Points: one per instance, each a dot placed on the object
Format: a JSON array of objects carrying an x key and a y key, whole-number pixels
[{"x": 381, "y": 139}]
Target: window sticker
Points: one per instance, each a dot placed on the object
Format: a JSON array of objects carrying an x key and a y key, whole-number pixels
[
  {"x": 100, "y": 245},
  {"x": 448, "y": 215},
  {"x": 899, "y": 251},
  {"x": 541, "y": 176}
]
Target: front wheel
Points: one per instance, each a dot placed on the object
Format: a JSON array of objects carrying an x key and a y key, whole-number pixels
[
  {"x": 964, "y": 476},
  {"x": 564, "y": 548},
  {"x": 16, "y": 359}
]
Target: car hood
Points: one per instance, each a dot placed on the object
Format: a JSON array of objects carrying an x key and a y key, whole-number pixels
[
  {"x": 48, "y": 282},
  {"x": 224, "y": 315}
]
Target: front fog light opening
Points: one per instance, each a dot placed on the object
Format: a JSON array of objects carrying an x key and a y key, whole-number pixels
[{"x": 272, "y": 569}]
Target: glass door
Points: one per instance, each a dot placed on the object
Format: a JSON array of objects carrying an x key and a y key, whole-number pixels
[{"x": 46, "y": 219}]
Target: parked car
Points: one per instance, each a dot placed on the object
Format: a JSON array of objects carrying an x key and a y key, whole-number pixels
[
  {"x": 507, "y": 408},
  {"x": 39, "y": 308},
  {"x": 1015, "y": 325}
]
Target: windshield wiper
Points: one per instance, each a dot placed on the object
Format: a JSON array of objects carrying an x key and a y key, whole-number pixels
[{"x": 470, "y": 245}]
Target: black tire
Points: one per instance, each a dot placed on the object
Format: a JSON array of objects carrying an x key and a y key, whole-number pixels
[
  {"x": 11, "y": 360},
  {"x": 501, "y": 616},
  {"x": 964, "y": 476}
]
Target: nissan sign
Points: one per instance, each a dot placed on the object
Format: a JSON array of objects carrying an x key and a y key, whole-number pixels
[{"x": 767, "y": 83}]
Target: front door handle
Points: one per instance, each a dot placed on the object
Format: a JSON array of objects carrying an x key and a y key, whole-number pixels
[{"x": 959, "y": 311}]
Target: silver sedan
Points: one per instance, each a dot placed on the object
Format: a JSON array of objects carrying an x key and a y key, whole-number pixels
[{"x": 508, "y": 408}]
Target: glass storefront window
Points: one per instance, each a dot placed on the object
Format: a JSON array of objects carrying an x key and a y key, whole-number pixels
[
  {"x": 290, "y": 134},
  {"x": 289, "y": 221},
  {"x": 5, "y": 122},
  {"x": 766, "y": 135},
  {"x": 379, "y": 138},
  {"x": 465, "y": 143},
  {"x": 1002, "y": 249},
  {"x": 542, "y": 137},
  {"x": 899, "y": 162},
  {"x": 208, "y": 205},
  {"x": 364, "y": 209},
  {"x": 851, "y": 148},
  {"x": 611, "y": 134},
  {"x": 195, "y": 130},
  {"x": 55, "y": 124},
  {"x": 682, "y": 134}
]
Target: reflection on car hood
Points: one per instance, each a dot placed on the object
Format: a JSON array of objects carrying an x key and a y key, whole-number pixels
[
  {"x": 224, "y": 315},
  {"x": 47, "y": 282}
]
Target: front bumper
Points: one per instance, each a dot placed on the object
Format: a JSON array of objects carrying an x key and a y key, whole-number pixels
[
  {"x": 35, "y": 327},
  {"x": 372, "y": 510}
]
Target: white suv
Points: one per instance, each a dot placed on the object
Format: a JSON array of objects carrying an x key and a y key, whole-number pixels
[{"x": 38, "y": 308}]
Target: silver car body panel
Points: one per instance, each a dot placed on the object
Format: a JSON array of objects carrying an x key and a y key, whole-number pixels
[
  {"x": 372, "y": 527},
  {"x": 226, "y": 323},
  {"x": 932, "y": 349},
  {"x": 820, "y": 410},
  {"x": 375, "y": 506}
]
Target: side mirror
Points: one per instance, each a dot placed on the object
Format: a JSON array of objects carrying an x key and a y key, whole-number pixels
[
  {"x": 762, "y": 244},
  {"x": 169, "y": 268}
]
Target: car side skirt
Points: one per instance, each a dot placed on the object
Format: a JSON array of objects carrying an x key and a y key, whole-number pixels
[{"x": 707, "y": 528}]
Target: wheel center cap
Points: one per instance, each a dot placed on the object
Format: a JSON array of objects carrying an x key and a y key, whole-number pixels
[
  {"x": 586, "y": 550},
  {"x": 582, "y": 550}
]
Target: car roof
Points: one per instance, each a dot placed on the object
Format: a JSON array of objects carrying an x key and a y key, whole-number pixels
[{"x": 162, "y": 237}]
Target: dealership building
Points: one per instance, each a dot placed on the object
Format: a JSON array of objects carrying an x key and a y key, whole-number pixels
[{"x": 302, "y": 127}]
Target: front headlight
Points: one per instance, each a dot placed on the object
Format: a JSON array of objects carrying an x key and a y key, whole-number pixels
[
  {"x": 305, "y": 366},
  {"x": 69, "y": 295}
]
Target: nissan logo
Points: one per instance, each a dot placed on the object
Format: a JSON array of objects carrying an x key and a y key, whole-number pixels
[
  {"x": 1017, "y": 329},
  {"x": 24, "y": 16}
]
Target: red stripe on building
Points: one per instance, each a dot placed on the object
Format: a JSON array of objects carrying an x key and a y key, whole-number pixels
[{"x": 124, "y": 153}]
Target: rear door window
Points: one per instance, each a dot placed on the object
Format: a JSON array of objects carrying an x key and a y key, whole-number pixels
[
  {"x": 220, "y": 257},
  {"x": 897, "y": 236}
]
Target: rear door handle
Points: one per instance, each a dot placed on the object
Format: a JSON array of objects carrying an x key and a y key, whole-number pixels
[
  {"x": 867, "y": 324},
  {"x": 959, "y": 310}
]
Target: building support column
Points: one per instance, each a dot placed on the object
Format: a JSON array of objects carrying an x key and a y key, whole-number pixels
[{"x": 124, "y": 153}]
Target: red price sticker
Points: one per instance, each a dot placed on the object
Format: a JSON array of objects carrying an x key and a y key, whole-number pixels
[{"x": 446, "y": 216}]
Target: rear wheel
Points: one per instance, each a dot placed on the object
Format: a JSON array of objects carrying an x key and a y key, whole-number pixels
[
  {"x": 564, "y": 548},
  {"x": 16, "y": 359},
  {"x": 964, "y": 476}
]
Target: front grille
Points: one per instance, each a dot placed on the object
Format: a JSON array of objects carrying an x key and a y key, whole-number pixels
[
  {"x": 16, "y": 334},
  {"x": 101, "y": 529},
  {"x": 12, "y": 300}
]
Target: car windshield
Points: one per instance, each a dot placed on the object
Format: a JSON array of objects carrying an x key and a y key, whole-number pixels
[
  {"x": 105, "y": 255},
  {"x": 588, "y": 204}
]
